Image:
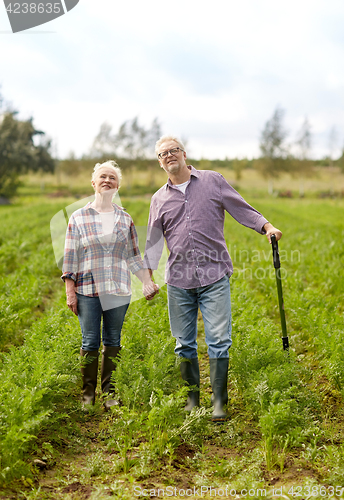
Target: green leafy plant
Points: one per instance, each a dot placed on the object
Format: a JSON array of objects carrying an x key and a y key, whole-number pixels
[{"x": 34, "y": 377}]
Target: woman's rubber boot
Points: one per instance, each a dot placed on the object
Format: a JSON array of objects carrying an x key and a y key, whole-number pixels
[
  {"x": 218, "y": 380},
  {"x": 107, "y": 368},
  {"x": 189, "y": 370},
  {"x": 89, "y": 371}
]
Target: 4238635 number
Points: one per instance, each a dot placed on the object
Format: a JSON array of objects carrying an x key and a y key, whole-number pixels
[
  {"x": 34, "y": 8},
  {"x": 316, "y": 491}
]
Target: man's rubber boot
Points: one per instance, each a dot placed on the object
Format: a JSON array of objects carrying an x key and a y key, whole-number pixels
[
  {"x": 107, "y": 368},
  {"x": 89, "y": 372},
  {"x": 189, "y": 370},
  {"x": 218, "y": 380}
]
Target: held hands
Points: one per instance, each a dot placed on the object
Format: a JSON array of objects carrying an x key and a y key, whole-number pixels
[
  {"x": 270, "y": 229},
  {"x": 150, "y": 289}
]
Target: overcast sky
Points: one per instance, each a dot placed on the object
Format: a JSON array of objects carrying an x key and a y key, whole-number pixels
[{"x": 212, "y": 72}]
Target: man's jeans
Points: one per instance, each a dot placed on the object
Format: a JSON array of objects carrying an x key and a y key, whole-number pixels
[
  {"x": 215, "y": 304},
  {"x": 90, "y": 312}
]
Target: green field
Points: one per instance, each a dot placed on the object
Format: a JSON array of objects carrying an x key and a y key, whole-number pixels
[
  {"x": 324, "y": 181},
  {"x": 286, "y": 412}
]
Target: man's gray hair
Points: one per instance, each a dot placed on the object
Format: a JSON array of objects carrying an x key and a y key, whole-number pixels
[
  {"x": 165, "y": 138},
  {"x": 108, "y": 164}
]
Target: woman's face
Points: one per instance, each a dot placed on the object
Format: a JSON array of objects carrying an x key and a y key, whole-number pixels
[{"x": 105, "y": 180}]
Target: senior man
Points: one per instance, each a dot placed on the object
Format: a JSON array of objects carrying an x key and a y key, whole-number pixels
[{"x": 189, "y": 212}]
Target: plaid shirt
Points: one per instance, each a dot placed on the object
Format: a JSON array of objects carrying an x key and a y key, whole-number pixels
[{"x": 95, "y": 267}]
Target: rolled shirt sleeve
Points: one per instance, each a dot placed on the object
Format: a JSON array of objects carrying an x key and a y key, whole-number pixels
[{"x": 72, "y": 243}]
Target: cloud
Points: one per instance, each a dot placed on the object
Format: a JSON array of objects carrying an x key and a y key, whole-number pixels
[{"x": 212, "y": 72}]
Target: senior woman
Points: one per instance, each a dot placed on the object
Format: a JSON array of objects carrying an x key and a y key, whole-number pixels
[{"x": 101, "y": 248}]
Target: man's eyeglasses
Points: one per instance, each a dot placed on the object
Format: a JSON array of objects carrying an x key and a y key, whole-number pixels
[{"x": 173, "y": 151}]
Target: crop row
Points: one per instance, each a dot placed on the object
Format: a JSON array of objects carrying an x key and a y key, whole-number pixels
[
  {"x": 34, "y": 379},
  {"x": 279, "y": 393},
  {"x": 28, "y": 272}
]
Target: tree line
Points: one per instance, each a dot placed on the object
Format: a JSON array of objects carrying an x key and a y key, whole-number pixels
[
  {"x": 23, "y": 148},
  {"x": 278, "y": 156}
]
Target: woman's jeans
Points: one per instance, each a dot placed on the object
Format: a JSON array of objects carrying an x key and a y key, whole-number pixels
[
  {"x": 215, "y": 304},
  {"x": 90, "y": 312}
]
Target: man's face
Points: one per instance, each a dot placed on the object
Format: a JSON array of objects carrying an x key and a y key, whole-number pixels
[{"x": 172, "y": 164}]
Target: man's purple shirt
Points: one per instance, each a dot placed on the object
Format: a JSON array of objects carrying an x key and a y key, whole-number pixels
[{"x": 192, "y": 225}]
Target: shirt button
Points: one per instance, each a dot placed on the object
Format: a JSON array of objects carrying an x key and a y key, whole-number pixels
[
  {"x": 188, "y": 217},
  {"x": 186, "y": 201},
  {"x": 189, "y": 233}
]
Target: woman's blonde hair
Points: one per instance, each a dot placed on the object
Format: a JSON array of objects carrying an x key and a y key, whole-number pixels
[{"x": 108, "y": 164}]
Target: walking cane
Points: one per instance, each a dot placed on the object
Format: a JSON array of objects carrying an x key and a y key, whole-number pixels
[{"x": 277, "y": 266}]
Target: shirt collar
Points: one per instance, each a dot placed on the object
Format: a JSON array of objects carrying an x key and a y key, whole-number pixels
[
  {"x": 88, "y": 207},
  {"x": 194, "y": 173}
]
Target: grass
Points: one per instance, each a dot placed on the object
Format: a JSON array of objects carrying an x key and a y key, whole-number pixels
[{"x": 286, "y": 412}]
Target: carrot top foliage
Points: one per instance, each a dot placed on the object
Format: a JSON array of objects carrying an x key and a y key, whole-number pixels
[{"x": 284, "y": 410}]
